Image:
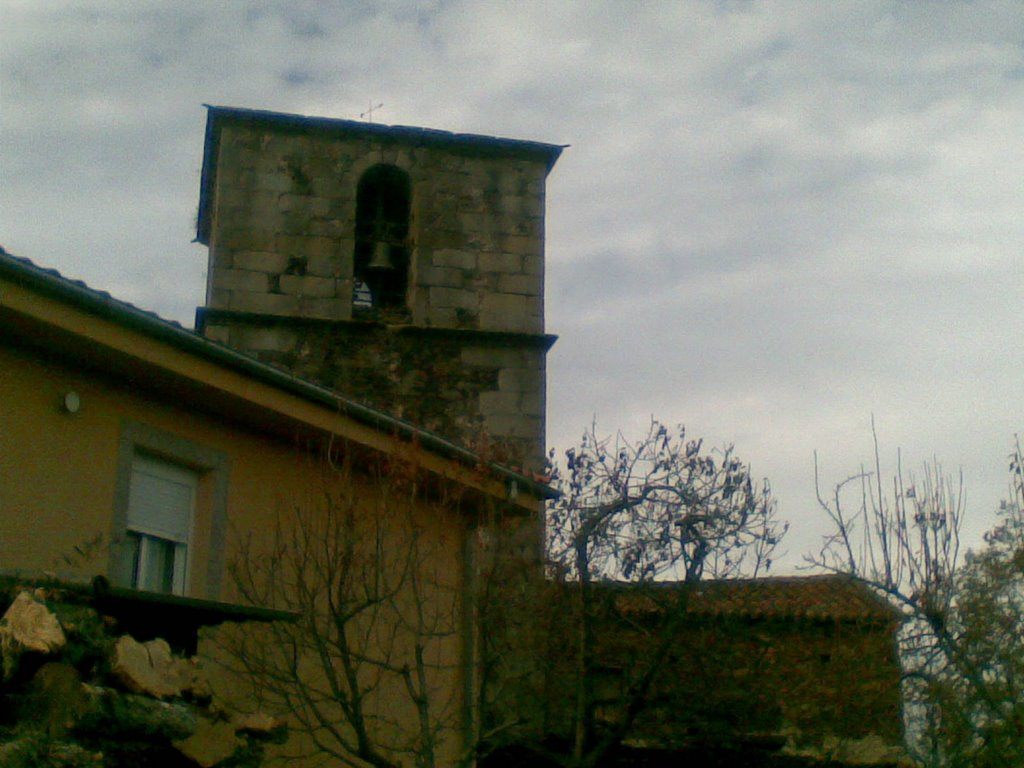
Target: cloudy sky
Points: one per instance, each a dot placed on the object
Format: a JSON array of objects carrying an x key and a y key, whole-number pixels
[{"x": 775, "y": 219}]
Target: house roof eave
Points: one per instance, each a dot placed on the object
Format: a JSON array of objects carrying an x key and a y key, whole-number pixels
[{"x": 98, "y": 303}]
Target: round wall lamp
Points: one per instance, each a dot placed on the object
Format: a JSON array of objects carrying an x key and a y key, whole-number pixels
[{"x": 71, "y": 403}]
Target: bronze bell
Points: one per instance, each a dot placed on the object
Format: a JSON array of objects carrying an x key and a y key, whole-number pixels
[{"x": 381, "y": 259}]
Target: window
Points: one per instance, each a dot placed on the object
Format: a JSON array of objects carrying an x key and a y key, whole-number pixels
[
  {"x": 170, "y": 514},
  {"x": 161, "y": 505},
  {"x": 381, "y": 259}
]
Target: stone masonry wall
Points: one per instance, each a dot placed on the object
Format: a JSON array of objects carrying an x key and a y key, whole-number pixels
[
  {"x": 487, "y": 392},
  {"x": 823, "y": 691},
  {"x": 282, "y": 244},
  {"x": 283, "y": 235}
]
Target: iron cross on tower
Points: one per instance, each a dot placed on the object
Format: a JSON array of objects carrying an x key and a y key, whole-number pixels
[{"x": 368, "y": 114}]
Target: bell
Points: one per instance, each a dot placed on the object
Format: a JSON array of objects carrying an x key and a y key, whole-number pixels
[{"x": 381, "y": 259}]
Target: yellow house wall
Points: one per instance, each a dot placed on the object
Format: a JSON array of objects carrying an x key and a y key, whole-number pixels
[{"x": 58, "y": 486}]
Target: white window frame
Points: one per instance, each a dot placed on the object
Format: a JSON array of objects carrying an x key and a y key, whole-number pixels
[
  {"x": 149, "y": 535},
  {"x": 211, "y": 469}
]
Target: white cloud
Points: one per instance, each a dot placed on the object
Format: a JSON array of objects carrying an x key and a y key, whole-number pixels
[{"x": 775, "y": 217}]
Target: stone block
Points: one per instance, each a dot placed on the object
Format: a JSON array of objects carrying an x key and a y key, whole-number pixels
[
  {"x": 497, "y": 403},
  {"x": 236, "y": 178},
  {"x": 447, "y": 257},
  {"x": 264, "y": 303},
  {"x": 294, "y": 223},
  {"x": 260, "y": 261},
  {"x": 529, "y": 225},
  {"x": 525, "y": 206},
  {"x": 522, "y": 245},
  {"x": 252, "y": 219},
  {"x": 454, "y": 298},
  {"x": 511, "y": 323},
  {"x": 483, "y": 282},
  {"x": 308, "y": 285},
  {"x": 527, "y": 285},
  {"x": 501, "y": 262},
  {"x": 275, "y": 181},
  {"x": 467, "y": 318},
  {"x": 475, "y": 222},
  {"x": 264, "y": 339},
  {"x": 265, "y": 208},
  {"x": 532, "y": 403},
  {"x": 533, "y": 265},
  {"x": 329, "y": 308},
  {"x": 419, "y": 304},
  {"x": 247, "y": 157},
  {"x": 280, "y": 144},
  {"x": 512, "y": 182},
  {"x": 239, "y": 280},
  {"x": 331, "y": 226},
  {"x": 441, "y": 236},
  {"x": 442, "y": 317},
  {"x": 235, "y": 196},
  {"x": 240, "y": 136},
  {"x": 217, "y": 297},
  {"x": 514, "y": 425},
  {"x": 219, "y": 333},
  {"x": 290, "y": 201},
  {"x": 332, "y": 149},
  {"x": 322, "y": 247},
  {"x": 511, "y": 304},
  {"x": 442, "y": 277},
  {"x": 492, "y": 357},
  {"x": 290, "y": 245},
  {"x": 519, "y": 379},
  {"x": 220, "y": 256},
  {"x": 330, "y": 264},
  {"x": 471, "y": 200},
  {"x": 247, "y": 239}
]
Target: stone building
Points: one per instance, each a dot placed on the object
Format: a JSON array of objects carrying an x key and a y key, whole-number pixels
[
  {"x": 403, "y": 267},
  {"x": 782, "y": 672}
]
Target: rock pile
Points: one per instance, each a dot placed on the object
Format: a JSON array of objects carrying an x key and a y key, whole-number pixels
[{"x": 74, "y": 694}]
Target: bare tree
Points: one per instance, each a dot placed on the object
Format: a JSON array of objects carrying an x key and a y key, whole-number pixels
[
  {"x": 370, "y": 673},
  {"x": 961, "y": 645},
  {"x": 367, "y": 671},
  {"x": 658, "y": 508}
]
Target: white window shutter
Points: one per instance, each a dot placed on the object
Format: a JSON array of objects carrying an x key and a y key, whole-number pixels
[{"x": 161, "y": 499}]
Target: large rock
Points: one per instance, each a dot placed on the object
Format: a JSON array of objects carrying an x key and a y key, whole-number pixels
[
  {"x": 28, "y": 626},
  {"x": 261, "y": 726},
  {"x": 211, "y": 743},
  {"x": 150, "y": 668}
]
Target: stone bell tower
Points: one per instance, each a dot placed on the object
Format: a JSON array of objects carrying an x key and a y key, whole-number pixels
[{"x": 403, "y": 267}]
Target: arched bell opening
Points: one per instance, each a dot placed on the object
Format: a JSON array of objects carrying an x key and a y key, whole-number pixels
[{"x": 381, "y": 259}]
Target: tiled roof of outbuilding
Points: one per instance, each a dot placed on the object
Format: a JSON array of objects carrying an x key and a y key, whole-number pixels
[
  {"x": 830, "y": 596},
  {"x": 826, "y": 597}
]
